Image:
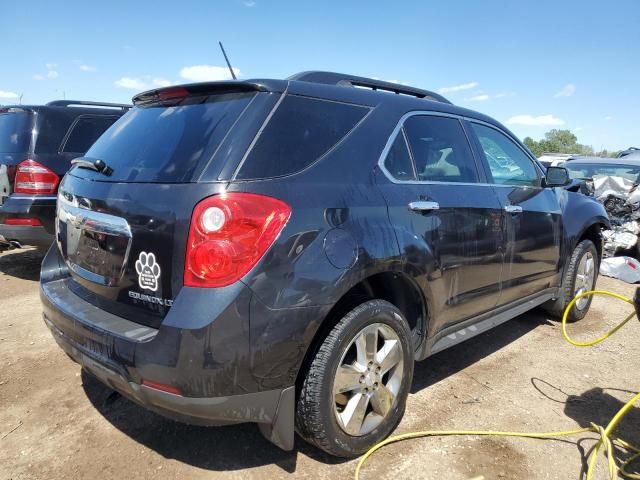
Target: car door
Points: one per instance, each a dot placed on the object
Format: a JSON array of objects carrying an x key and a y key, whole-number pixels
[
  {"x": 448, "y": 222},
  {"x": 533, "y": 217}
]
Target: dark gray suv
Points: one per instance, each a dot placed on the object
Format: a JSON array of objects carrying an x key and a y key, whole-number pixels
[{"x": 282, "y": 251}]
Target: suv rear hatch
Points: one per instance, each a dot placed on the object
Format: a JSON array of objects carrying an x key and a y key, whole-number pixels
[
  {"x": 16, "y": 126},
  {"x": 123, "y": 231}
]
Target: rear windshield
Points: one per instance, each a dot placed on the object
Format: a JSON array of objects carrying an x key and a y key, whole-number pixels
[
  {"x": 15, "y": 131},
  {"x": 166, "y": 143},
  {"x": 589, "y": 170}
]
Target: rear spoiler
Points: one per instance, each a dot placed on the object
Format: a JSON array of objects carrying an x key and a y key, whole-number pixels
[{"x": 178, "y": 91}]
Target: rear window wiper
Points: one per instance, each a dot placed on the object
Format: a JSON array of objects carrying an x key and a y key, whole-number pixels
[{"x": 96, "y": 165}]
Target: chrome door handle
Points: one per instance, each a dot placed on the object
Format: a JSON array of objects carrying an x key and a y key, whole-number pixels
[
  {"x": 422, "y": 206},
  {"x": 513, "y": 209}
]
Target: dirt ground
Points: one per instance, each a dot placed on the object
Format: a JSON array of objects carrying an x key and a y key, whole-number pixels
[{"x": 57, "y": 422}]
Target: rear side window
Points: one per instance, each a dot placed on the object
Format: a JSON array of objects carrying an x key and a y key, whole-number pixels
[
  {"x": 166, "y": 143},
  {"x": 440, "y": 149},
  {"x": 15, "y": 131},
  {"x": 301, "y": 131},
  {"x": 85, "y": 131}
]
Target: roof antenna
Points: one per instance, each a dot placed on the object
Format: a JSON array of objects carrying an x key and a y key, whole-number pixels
[{"x": 233, "y": 75}]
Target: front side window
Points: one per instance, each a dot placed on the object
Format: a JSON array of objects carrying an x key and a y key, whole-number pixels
[
  {"x": 440, "y": 150},
  {"x": 508, "y": 164}
]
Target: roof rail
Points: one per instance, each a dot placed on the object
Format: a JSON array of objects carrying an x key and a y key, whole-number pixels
[
  {"x": 332, "y": 78},
  {"x": 84, "y": 103}
]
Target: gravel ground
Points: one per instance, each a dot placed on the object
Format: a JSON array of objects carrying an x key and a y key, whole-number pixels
[{"x": 58, "y": 422}]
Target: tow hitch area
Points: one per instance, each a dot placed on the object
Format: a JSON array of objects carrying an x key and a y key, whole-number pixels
[{"x": 8, "y": 244}]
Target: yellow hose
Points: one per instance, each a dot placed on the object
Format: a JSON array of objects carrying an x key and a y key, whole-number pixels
[{"x": 606, "y": 440}]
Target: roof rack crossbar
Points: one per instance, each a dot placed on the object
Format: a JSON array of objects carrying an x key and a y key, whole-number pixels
[
  {"x": 66, "y": 103},
  {"x": 332, "y": 78}
]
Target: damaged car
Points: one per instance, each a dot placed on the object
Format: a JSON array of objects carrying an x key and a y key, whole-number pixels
[
  {"x": 614, "y": 183},
  {"x": 282, "y": 251}
]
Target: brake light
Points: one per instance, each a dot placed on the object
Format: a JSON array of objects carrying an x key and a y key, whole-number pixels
[
  {"x": 23, "y": 222},
  {"x": 32, "y": 177},
  {"x": 173, "y": 93},
  {"x": 229, "y": 233}
]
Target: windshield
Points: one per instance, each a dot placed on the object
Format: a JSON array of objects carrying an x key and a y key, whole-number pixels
[
  {"x": 166, "y": 143},
  {"x": 589, "y": 170},
  {"x": 15, "y": 131}
]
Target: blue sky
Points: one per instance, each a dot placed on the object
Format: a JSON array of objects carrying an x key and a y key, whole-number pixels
[{"x": 534, "y": 65}]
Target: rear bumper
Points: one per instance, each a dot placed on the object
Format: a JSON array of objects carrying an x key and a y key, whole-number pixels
[
  {"x": 29, "y": 206},
  {"x": 272, "y": 409},
  {"x": 25, "y": 235},
  {"x": 209, "y": 362}
]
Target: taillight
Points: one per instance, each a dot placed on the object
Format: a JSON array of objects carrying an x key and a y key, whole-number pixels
[
  {"x": 229, "y": 233},
  {"x": 32, "y": 177},
  {"x": 23, "y": 222}
]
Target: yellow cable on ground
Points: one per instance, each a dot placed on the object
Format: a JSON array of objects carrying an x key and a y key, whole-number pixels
[{"x": 606, "y": 440}]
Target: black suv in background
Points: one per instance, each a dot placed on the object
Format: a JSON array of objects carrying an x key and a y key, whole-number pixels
[
  {"x": 281, "y": 251},
  {"x": 37, "y": 144}
]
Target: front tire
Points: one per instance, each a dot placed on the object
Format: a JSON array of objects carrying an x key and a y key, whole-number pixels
[
  {"x": 580, "y": 276},
  {"x": 355, "y": 391}
]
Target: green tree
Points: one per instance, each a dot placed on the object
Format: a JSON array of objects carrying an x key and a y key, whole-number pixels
[
  {"x": 558, "y": 141},
  {"x": 534, "y": 146}
]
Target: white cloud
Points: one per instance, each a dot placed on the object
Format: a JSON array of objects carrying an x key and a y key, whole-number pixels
[
  {"x": 132, "y": 83},
  {"x": 51, "y": 66},
  {"x": 161, "y": 82},
  {"x": 37, "y": 76},
  {"x": 457, "y": 88},
  {"x": 7, "y": 94},
  {"x": 87, "y": 68},
  {"x": 608, "y": 118},
  {"x": 539, "y": 121},
  {"x": 249, "y": 3},
  {"x": 207, "y": 73},
  {"x": 568, "y": 90},
  {"x": 478, "y": 98},
  {"x": 52, "y": 74},
  {"x": 577, "y": 129}
]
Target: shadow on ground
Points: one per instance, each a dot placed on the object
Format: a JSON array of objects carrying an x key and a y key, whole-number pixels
[
  {"x": 455, "y": 359},
  {"x": 24, "y": 264},
  {"x": 599, "y": 406},
  {"x": 233, "y": 447}
]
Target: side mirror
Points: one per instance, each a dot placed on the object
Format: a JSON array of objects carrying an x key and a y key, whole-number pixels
[{"x": 557, "y": 177}]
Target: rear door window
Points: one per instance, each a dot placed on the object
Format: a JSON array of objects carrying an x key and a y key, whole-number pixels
[
  {"x": 85, "y": 131},
  {"x": 301, "y": 131},
  {"x": 159, "y": 143},
  {"x": 398, "y": 162},
  {"x": 440, "y": 149},
  {"x": 15, "y": 130}
]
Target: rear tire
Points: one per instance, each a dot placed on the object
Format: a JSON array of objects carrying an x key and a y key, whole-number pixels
[
  {"x": 577, "y": 278},
  {"x": 355, "y": 391}
]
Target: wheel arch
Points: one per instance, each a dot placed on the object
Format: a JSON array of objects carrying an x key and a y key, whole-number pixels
[{"x": 398, "y": 288}]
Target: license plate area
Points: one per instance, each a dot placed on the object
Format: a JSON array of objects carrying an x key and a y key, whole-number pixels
[{"x": 95, "y": 245}]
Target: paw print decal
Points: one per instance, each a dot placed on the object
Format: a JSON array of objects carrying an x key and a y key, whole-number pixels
[{"x": 148, "y": 271}]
